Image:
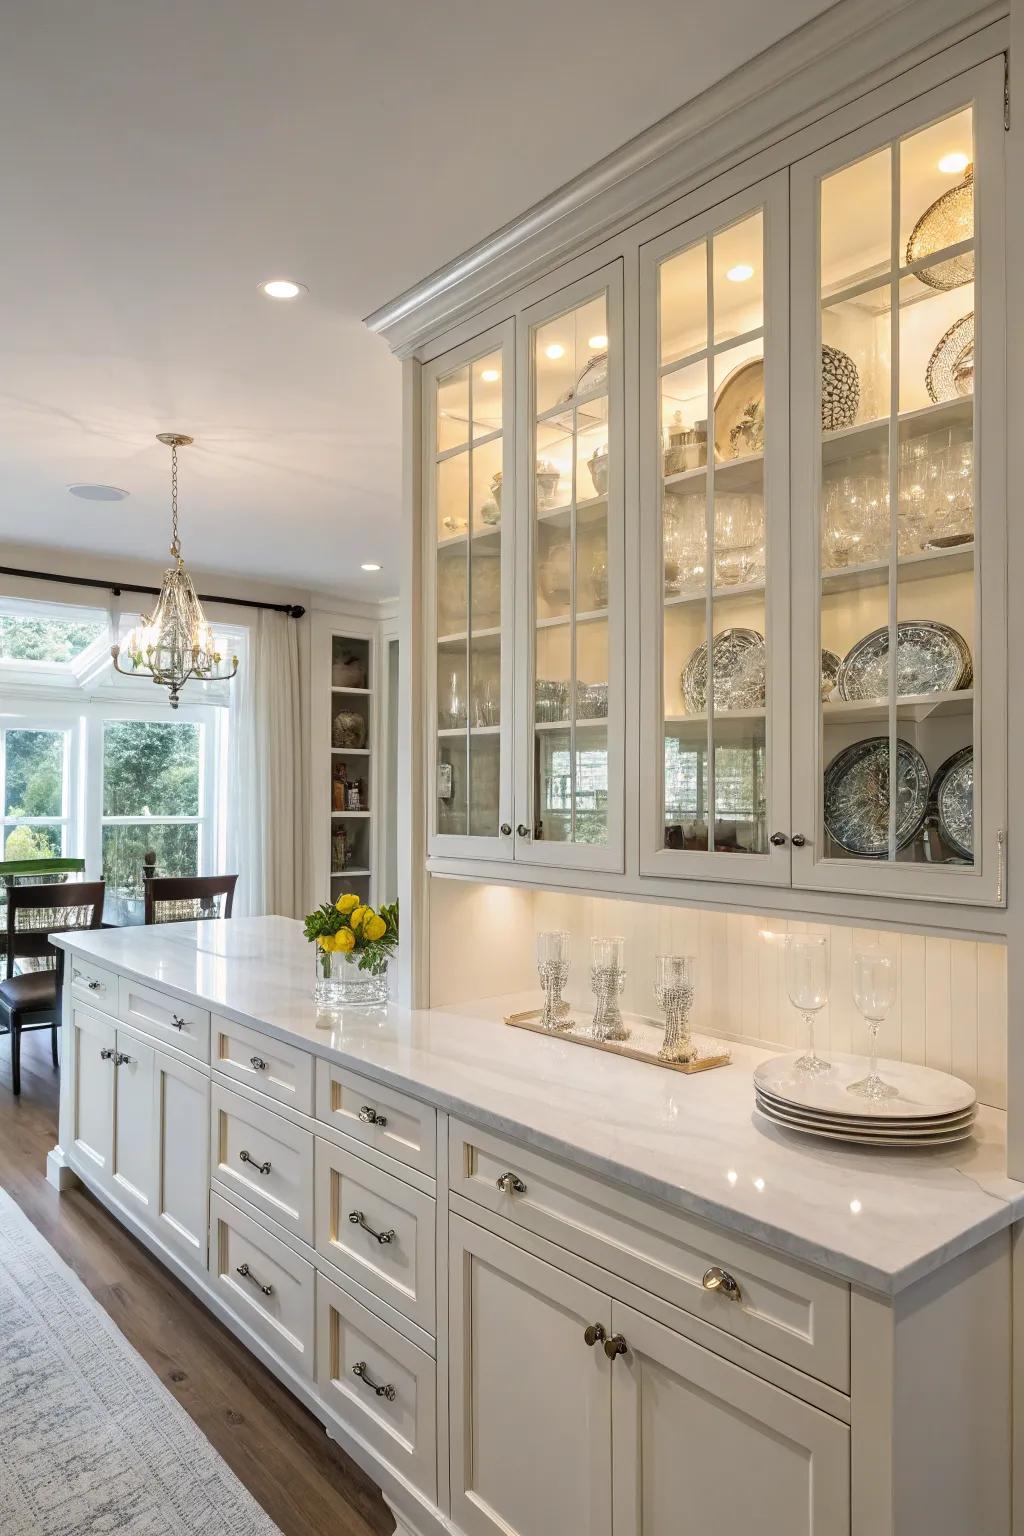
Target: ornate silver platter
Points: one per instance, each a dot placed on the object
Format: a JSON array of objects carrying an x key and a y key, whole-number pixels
[
  {"x": 738, "y": 660},
  {"x": 857, "y": 796},
  {"x": 953, "y": 798},
  {"x": 930, "y": 658},
  {"x": 950, "y": 371},
  {"x": 830, "y": 665}
]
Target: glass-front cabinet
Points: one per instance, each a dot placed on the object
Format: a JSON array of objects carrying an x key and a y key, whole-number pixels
[
  {"x": 714, "y": 462},
  {"x": 899, "y": 782}
]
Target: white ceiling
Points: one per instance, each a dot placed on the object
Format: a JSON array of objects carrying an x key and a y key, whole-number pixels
[{"x": 161, "y": 159}]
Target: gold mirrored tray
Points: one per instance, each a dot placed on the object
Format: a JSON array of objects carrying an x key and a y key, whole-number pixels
[{"x": 644, "y": 1043}]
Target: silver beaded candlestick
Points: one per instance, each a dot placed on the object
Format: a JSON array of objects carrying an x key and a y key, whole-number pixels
[
  {"x": 673, "y": 988},
  {"x": 607, "y": 979},
  {"x": 553, "y": 970}
]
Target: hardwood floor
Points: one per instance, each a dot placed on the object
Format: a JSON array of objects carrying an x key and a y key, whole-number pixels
[{"x": 306, "y": 1484}]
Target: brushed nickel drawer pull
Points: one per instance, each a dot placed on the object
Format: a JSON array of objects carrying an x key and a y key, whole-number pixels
[
  {"x": 359, "y": 1220},
  {"x": 722, "y": 1283},
  {"x": 178, "y": 1022},
  {"x": 594, "y": 1334},
  {"x": 93, "y": 985},
  {"x": 369, "y": 1116},
  {"x": 247, "y": 1274},
  {"x": 510, "y": 1183},
  {"x": 616, "y": 1345},
  {"x": 258, "y": 1063},
  {"x": 244, "y": 1157},
  {"x": 359, "y": 1369}
]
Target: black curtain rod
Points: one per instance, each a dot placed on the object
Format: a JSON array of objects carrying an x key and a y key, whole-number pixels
[{"x": 115, "y": 588}]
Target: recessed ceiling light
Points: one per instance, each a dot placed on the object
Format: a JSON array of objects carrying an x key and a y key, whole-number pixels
[
  {"x": 282, "y": 288},
  {"x": 98, "y": 492},
  {"x": 370, "y": 565},
  {"x": 741, "y": 273},
  {"x": 490, "y": 375},
  {"x": 952, "y": 165},
  {"x": 597, "y": 343},
  {"x": 555, "y": 351}
]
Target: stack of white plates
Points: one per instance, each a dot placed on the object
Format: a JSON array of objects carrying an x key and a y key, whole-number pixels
[{"x": 930, "y": 1109}]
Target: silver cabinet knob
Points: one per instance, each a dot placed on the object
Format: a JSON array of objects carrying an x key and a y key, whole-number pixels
[
  {"x": 121, "y": 1060},
  {"x": 778, "y": 839},
  {"x": 799, "y": 841},
  {"x": 505, "y": 829},
  {"x": 722, "y": 1283},
  {"x": 594, "y": 1334},
  {"x": 510, "y": 1183},
  {"x": 258, "y": 1063},
  {"x": 522, "y": 830},
  {"x": 369, "y": 1116},
  {"x": 106, "y": 1054},
  {"x": 616, "y": 1345}
]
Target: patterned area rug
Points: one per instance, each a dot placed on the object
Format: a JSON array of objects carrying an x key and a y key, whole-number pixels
[{"x": 91, "y": 1441}]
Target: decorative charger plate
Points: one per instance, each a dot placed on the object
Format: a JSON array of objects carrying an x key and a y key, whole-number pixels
[
  {"x": 857, "y": 796},
  {"x": 739, "y": 411},
  {"x": 923, "y": 1092},
  {"x": 950, "y": 371},
  {"x": 738, "y": 660},
  {"x": 953, "y": 798},
  {"x": 830, "y": 665},
  {"x": 803, "y": 1120},
  {"x": 939, "y": 1139},
  {"x": 930, "y": 658},
  {"x": 918, "y": 1123}
]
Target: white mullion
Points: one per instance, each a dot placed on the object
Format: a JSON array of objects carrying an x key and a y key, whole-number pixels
[
  {"x": 709, "y": 525},
  {"x": 894, "y": 509}
]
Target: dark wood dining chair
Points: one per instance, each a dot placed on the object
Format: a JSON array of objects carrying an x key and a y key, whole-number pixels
[
  {"x": 187, "y": 898},
  {"x": 32, "y": 1000}
]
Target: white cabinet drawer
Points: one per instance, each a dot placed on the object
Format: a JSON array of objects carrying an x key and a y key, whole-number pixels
[
  {"x": 264, "y": 1283},
  {"x": 282, "y": 1072},
  {"x": 379, "y": 1117},
  {"x": 91, "y": 983},
  {"x": 182, "y": 1025},
  {"x": 790, "y": 1311},
  {"x": 375, "y": 1382},
  {"x": 378, "y": 1229},
  {"x": 264, "y": 1158}
]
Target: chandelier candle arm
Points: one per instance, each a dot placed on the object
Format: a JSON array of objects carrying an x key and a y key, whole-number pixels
[{"x": 175, "y": 643}]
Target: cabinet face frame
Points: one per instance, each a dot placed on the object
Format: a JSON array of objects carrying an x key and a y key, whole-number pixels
[
  {"x": 980, "y": 89},
  {"x": 87, "y": 1035},
  {"x": 770, "y": 197},
  {"x": 498, "y": 846},
  {"x": 610, "y": 855}
]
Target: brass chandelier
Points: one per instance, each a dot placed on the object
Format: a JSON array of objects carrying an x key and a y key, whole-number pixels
[{"x": 175, "y": 643}]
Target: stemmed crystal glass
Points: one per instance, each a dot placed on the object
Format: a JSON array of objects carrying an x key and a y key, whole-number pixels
[
  {"x": 607, "y": 979},
  {"x": 673, "y": 988},
  {"x": 874, "y": 992},
  {"x": 807, "y": 977},
  {"x": 553, "y": 970}
]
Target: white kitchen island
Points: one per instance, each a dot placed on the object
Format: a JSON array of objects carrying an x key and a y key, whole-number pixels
[{"x": 535, "y": 1289}]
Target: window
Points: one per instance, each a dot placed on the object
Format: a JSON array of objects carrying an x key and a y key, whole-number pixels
[
  {"x": 34, "y": 771},
  {"x": 25, "y": 637}
]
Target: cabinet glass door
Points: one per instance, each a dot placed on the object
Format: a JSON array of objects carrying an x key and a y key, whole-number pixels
[
  {"x": 715, "y": 444},
  {"x": 907, "y": 303},
  {"x": 572, "y": 503},
  {"x": 470, "y": 508}
]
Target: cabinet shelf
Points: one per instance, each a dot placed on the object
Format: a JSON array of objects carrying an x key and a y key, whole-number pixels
[
  {"x": 930, "y": 562},
  {"x": 449, "y": 731},
  {"x": 911, "y": 708},
  {"x": 592, "y": 616},
  {"x": 350, "y": 815},
  {"x": 719, "y": 594},
  {"x": 563, "y": 725},
  {"x": 743, "y": 474},
  {"x": 363, "y": 693},
  {"x": 459, "y": 637},
  {"x": 491, "y": 531},
  {"x": 350, "y": 751},
  {"x": 353, "y": 873},
  {"x": 873, "y": 436},
  {"x": 593, "y": 509},
  {"x": 564, "y": 408}
]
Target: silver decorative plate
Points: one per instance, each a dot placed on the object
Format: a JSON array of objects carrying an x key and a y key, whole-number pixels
[
  {"x": 830, "y": 665},
  {"x": 857, "y": 796},
  {"x": 950, "y": 371},
  {"x": 930, "y": 658},
  {"x": 953, "y": 799},
  {"x": 738, "y": 660}
]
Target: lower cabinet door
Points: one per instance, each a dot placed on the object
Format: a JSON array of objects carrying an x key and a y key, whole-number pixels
[
  {"x": 181, "y": 1120},
  {"x": 133, "y": 1167},
  {"x": 701, "y": 1443},
  {"x": 90, "y": 1063},
  {"x": 530, "y": 1401}
]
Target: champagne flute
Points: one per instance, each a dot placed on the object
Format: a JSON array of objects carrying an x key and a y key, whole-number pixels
[
  {"x": 874, "y": 992},
  {"x": 607, "y": 979},
  {"x": 553, "y": 970},
  {"x": 807, "y": 977}
]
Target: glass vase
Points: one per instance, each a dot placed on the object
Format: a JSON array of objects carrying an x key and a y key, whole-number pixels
[{"x": 339, "y": 983}]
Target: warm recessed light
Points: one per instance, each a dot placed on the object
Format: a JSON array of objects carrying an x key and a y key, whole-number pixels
[
  {"x": 282, "y": 288},
  {"x": 490, "y": 375},
  {"x": 741, "y": 273},
  {"x": 555, "y": 351},
  {"x": 370, "y": 565},
  {"x": 98, "y": 492},
  {"x": 952, "y": 165},
  {"x": 597, "y": 343}
]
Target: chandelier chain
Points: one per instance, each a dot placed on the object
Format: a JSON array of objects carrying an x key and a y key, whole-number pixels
[{"x": 175, "y": 541}]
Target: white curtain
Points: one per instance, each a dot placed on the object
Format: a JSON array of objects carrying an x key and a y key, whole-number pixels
[{"x": 266, "y": 785}]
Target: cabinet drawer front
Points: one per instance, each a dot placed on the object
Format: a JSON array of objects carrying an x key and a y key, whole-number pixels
[
  {"x": 379, "y": 1117},
  {"x": 378, "y": 1229},
  {"x": 282, "y": 1072},
  {"x": 91, "y": 983},
  {"x": 264, "y": 1158},
  {"x": 788, "y": 1310},
  {"x": 182, "y": 1025},
  {"x": 264, "y": 1283},
  {"x": 356, "y": 1354}
]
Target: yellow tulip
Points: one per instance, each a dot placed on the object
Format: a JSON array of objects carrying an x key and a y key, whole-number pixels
[
  {"x": 374, "y": 927},
  {"x": 344, "y": 940},
  {"x": 347, "y": 904},
  {"x": 357, "y": 917}
]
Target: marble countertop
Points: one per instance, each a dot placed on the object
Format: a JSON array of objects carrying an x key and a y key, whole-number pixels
[{"x": 878, "y": 1219}]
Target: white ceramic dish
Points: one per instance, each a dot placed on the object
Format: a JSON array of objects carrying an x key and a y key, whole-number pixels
[
  {"x": 893, "y": 1142},
  {"x": 924, "y": 1094},
  {"x": 860, "y": 1130},
  {"x": 865, "y": 1122}
]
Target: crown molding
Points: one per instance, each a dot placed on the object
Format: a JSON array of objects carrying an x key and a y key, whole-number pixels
[{"x": 846, "y": 51}]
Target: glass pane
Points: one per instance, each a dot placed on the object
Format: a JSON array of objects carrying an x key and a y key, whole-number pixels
[
  {"x": 737, "y": 691},
  {"x": 686, "y": 786},
  {"x": 124, "y": 852},
  {"x": 487, "y": 395},
  {"x": 451, "y": 784},
  {"x": 553, "y": 787},
  {"x": 739, "y": 422},
  {"x": 683, "y": 303},
  {"x": 484, "y": 785},
  {"x": 487, "y": 475},
  {"x": 485, "y": 682},
  {"x": 590, "y": 809},
  {"x": 453, "y": 410},
  {"x": 150, "y": 769},
  {"x": 35, "y": 773},
  {"x": 856, "y": 222},
  {"x": 453, "y": 497},
  {"x": 684, "y": 421},
  {"x": 856, "y": 359},
  {"x": 739, "y": 278},
  {"x": 936, "y": 342},
  {"x": 23, "y": 638},
  {"x": 33, "y": 843},
  {"x": 937, "y": 195}
]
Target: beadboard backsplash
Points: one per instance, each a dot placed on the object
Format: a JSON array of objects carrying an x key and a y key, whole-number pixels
[{"x": 951, "y": 1002}]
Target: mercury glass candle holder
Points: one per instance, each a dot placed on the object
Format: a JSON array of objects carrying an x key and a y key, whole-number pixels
[
  {"x": 607, "y": 979},
  {"x": 553, "y": 970},
  {"x": 673, "y": 988}
]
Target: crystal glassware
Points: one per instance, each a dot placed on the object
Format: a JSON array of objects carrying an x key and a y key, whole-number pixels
[
  {"x": 553, "y": 970},
  {"x": 607, "y": 979},
  {"x": 673, "y": 988},
  {"x": 807, "y": 976},
  {"x": 874, "y": 992}
]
